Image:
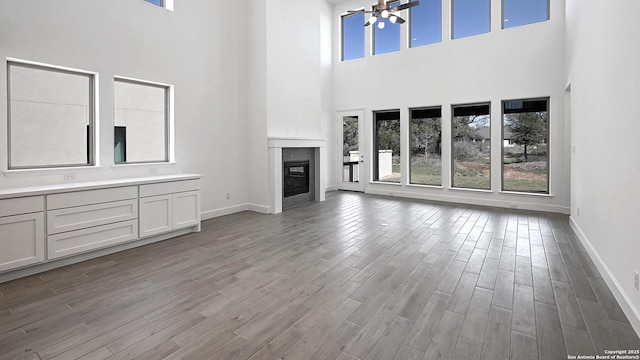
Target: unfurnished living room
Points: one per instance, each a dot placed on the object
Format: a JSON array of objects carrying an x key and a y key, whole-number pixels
[{"x": 319, "y": 179}]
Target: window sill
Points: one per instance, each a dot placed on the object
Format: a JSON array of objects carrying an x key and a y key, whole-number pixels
[
  {"x": 50, "y": 171},
  {"x": 471, "y": 190},
  {"x": 526, "y": 194},
  {"x": 421, "y": 186},
  {"x": 385, "y": 183},
  {"x": 142, "y": 165}
]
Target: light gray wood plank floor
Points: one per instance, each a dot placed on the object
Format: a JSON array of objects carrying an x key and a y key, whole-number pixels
[{"x": 355, "y": 277}]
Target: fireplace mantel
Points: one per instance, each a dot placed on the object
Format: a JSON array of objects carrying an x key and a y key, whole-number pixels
[{"x": 276, "y": 144}]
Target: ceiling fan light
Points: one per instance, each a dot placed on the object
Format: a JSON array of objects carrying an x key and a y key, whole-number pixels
[
  {"x": 381, "y": 25},
  {"x": 372, "y": 20},
  {"x": 393, "y": 19},
  {"x": 385, "y": 13}
]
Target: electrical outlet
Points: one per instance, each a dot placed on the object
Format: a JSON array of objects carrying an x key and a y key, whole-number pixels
[
  {"x": 69, "y": 176},
  {"x": 636, "y": 279},
  {"x": 228, "y": 196},
  {"x": 578, "y": 210}
]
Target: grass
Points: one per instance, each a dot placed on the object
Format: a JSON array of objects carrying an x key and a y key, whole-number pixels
[
  {"x": 533, "y": 186},
  {"x": 423, "y": 175}
]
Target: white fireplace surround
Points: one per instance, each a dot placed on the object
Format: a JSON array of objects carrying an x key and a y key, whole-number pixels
[{"x": 276, "y": 145}]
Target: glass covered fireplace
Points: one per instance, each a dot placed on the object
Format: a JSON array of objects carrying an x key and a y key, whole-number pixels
[{"x": 295, "y": 178}]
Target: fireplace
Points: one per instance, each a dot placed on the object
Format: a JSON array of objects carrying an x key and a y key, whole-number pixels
[
  {"x": 295, "y": 178},
  {"x": 285, "y": 150}
]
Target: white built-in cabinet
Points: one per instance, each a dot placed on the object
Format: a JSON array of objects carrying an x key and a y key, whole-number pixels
[
  {"x": 82, "y": 221},
  {"x": 21, "y": 232},
  {"x": 71, "y": 220},
  {"x": 170, "y": 207}
]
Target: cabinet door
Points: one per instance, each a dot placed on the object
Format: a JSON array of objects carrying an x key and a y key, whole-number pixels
[
  {"x": 21, "y": 240},
  {"x": 156, "y": 215},
  {"x": 186, "y": 209}
]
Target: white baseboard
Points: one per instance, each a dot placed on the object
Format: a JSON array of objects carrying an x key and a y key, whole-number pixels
[
  {"x": 618, "y": 292},
  {"x": 471, "y": 201},
  {"x": 331, "y": 188},
  {"x": 259, "y": 208},
  {"x": 206, "y": 215}
]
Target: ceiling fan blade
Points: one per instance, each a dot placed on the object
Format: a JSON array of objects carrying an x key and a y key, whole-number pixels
[
  {"x": 360, "y": 11},
  {"x": 399, "y": 20},
  {"x": 405, "y": 6}
]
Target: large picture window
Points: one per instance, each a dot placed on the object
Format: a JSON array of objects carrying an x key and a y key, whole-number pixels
[
  {"x": 386, "y": 159},
  {"x": 426, "y": 146},
  {"x": 525, "y": 150},
  {"x": 386, "y": 35},
  {"x": 518, "y": 12},
  {"x": 141, "y": 130},
  {"x": 51, "y": 116},
  {"x": 471, "y": 132},
  {"x": 353, "y": 36},
  {"x": 471, "y": 17},
  {"x": 425, "y": 25}
]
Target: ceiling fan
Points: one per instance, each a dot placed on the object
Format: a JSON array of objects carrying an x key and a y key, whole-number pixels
[{"x": 382, "y": 11}]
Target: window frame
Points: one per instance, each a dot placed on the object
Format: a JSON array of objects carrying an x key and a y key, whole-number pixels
[
  {"x": 502, "y": 189},
  {"x": 92, "y": 138},
  {"x": 411, "y": 110},
  {"x": 168, "y": 120},
  {"x": 452, "y": 139}
]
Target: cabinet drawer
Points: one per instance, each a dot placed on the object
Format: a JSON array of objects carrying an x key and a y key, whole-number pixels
[
  {"x": 81, "y": 217},
  {"x": 79, "y": 241},
  {"x": 21, "y": 240},
  {"x": 23, "y": 205},
  {"x": 89, "y": 197},
  {"x": 169, "y": 187}
]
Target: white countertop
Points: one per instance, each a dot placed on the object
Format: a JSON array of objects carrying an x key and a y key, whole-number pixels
[{"x": 91, "y": 185}]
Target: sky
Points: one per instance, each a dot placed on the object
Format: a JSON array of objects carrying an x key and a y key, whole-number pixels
[{"x": 470, "y": 17}]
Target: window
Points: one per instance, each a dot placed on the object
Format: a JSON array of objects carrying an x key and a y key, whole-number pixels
[
  {"x": 471, "y": 132},
  {"x": 156, "y": 2},
  {"x": 167, "y": 4},
  {"x": 51, "y": 116},
  {"x": 141, "y": 122},
  {"x": 426, "y": 146},
  {"x": 353, "y": 36},
  {"x": 471, "y": 17},
  {"x": 387, "y": 146},
  {"x": 518, "y": 12},
  {"x": 525, "y": 149},
  {"x": 386, "y": 38},
  {"x": 425, "y": 23}
]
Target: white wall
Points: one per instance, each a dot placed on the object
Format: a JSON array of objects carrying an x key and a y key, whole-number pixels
[
  {"x": 602, "y": 63},
  {"x": 522, "y": 62},
  {"x": 204, "y": 59},
  {"x": 289, "y": 79}
]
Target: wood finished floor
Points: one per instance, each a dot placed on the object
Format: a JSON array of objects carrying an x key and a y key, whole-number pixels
[{"x": 354, "y": 277}]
